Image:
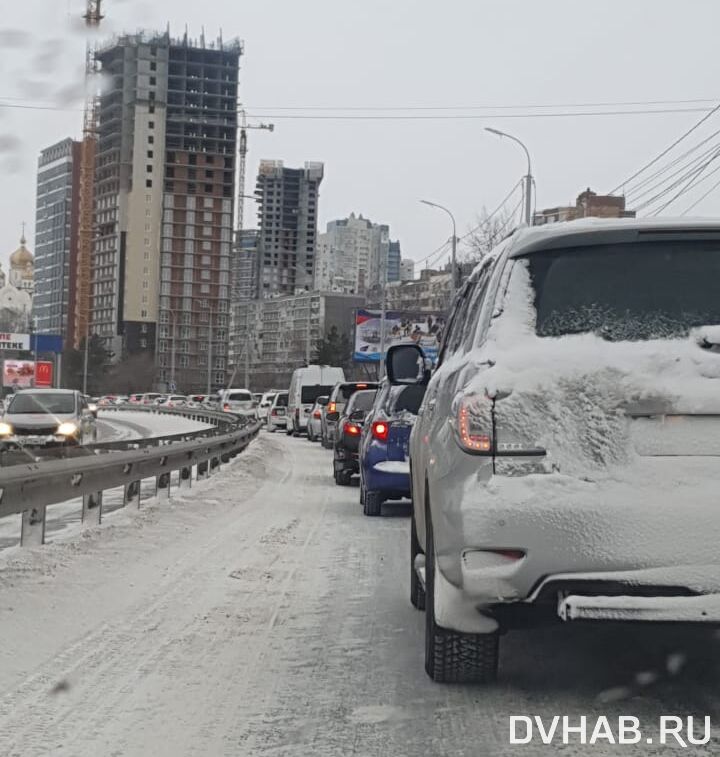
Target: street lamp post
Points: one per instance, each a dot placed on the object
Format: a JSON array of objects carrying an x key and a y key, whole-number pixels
[
  {"x": 173, "y": 385},
  {"x": 454, "y": 242},
  {"x": 528, "y": 178}
]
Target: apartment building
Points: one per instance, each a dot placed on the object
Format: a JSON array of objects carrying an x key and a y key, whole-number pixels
[
  {"x": 288, "y": 207},
  {"x": 165, "y": 178},
  {"x": 276, "y": 335},
  {"x": 56, "y": 238}
]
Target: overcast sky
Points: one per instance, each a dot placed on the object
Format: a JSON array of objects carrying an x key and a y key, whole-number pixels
[{"x": 396, "y": 54}]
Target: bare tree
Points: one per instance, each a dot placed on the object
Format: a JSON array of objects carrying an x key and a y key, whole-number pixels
[{"x": 489, "y": 230}]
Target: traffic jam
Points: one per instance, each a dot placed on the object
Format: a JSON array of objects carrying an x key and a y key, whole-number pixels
[{"x": 547, "y": 451}]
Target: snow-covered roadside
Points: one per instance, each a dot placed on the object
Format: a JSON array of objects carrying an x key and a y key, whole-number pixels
[{"x": 263, "y": 615}]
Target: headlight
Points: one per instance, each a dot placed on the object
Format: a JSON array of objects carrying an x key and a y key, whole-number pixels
[
  {"x": 92, "y": 407},
  {"x": 67, "y": 429},
  {"x": 5, "y": 429}
]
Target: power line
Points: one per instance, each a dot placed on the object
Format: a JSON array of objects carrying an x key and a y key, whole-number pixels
[
  {"x": 487, "y": 219},
  {"x": 693, "y": 182},
  {"x": 527, "y": 106},
  {"x": 476, "y": 117},
  {"x": 700, "y": 199},
  {"x": 643, "y": 182},
  {"x": 688, "y": 175},
  {"x": 668, "y": 149},
  {"x": 683, "y": 168}
]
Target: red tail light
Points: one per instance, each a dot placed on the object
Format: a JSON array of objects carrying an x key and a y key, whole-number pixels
[
  {"x": 332, "y": 406},
  {"x": 361, "y": 386},
  {"x": 317, "y": 414},
  {"x": 273, "y": 412},
  {"x": 226, "y": 406},
  {"x": 351, "y": 429},
  {"x": 380, "y": 430},
  {"x": 473, "y": 424}
]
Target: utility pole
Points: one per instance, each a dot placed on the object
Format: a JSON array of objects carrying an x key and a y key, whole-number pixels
[
  {"x": 210, "y": 351},
  {"x": 383, "y": 314},
  {"x": 173, "y": 385},
  {"x": 85, "y": 362},
  {"x": 308, "y": 349}
]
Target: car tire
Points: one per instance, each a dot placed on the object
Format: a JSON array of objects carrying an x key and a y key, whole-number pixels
[
  {"x": 452, "y": 656},
  {"x": 289, "y": 430},
  {"x": 310, "y": 435},
  {"x": 372, "y": 506},
  {"x": 417, "y": 590}
]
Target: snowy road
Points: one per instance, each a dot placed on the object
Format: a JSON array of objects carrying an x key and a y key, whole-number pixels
[{"x": 264, "y": 615}]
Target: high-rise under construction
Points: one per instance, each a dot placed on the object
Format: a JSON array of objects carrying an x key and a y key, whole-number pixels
[{"x": 164, "y": 203}]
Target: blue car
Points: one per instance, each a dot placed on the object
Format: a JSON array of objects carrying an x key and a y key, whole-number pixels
[{"x": 384, "y": 463}]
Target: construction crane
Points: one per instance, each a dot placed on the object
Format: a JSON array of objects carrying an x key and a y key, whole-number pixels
[
  {"x": 244, "y": 126},
  {"x": 93, "y": 16},
  {"x": 235, "y": 272}
]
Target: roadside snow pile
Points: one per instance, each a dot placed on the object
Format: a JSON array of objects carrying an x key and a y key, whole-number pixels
[{"x": 154, "y": 424}]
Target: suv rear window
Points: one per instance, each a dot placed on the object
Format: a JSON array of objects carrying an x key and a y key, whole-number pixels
[
  {"x": 308, "y": 394},
  {"x": 362, "y": 400},
  {"x": 405, "y": 399},
  {"x": 239, "y": 397},
  {"x": 281, "y": 400},
  {"x": 345, "y": 391},
  {"x": 627, "y": 292}
]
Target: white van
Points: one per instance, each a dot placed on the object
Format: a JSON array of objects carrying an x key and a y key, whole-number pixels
[{"x": 306, "y": 386}]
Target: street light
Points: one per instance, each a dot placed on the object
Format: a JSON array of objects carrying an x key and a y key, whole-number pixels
[
  {"x": 528, "y": 178},
  {"x": 454, "y": 242}
]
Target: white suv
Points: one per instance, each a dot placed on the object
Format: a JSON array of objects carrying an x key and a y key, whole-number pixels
[{"x": 564, "y": 461}]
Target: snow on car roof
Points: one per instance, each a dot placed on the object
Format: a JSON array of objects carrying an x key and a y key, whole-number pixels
[{"x": 587, "y": 231}]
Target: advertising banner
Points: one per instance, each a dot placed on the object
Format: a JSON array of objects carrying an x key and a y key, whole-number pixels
[
  {"x": 425, "y": 329},
  {"x": 44, "y": 373},
  {"x": 14, "y": 341},
  {"x": 19, "y": 374}
]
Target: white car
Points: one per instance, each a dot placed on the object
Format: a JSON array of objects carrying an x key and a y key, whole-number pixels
[
  {"x": 237, "y": 401},
  {"x": 277, "y": 415},
  {"x": 314, "y": 424},
  {"x": 565, "y": 458},
  {"x": 264, "y": 405}
]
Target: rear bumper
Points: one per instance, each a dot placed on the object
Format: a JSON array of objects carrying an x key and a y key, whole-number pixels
[
  {"x": 636, "y": 529},
  {"x": 346, "y": 459},
  {"x": 377, "y": 479},
  {"x": 701, "y": 609}
]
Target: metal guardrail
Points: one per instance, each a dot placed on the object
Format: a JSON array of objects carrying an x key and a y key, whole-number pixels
[
  {"x": 30, "y": 488},
  {"x": 218, "y": 423}
]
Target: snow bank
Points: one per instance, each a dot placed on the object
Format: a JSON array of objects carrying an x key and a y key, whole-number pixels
[{"x": 393, "y": 466}]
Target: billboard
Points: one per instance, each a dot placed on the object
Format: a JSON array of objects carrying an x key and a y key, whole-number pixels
[
  {"x": 14, "y": 341},
  {"x": 19, "y": 374},
  {"x": 44, "y": 373},
  {"x": 425, "y": 329}
]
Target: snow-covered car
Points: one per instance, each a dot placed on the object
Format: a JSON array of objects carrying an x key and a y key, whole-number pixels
[
  {"x": 564, "y": 460},
  {"x": 314, "y": 423}
]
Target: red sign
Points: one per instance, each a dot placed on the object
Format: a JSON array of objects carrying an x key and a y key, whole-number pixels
[{"x": 44, "y": 373}]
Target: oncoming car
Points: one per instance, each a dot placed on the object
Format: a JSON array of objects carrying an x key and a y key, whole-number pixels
[
  {"x": 47, "y": 418},
  {"x": 564, "y": 461}
]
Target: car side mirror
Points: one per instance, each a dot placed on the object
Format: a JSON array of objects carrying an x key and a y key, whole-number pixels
[
  {"x": 333, "y": 416},
  {"x": 406, "y": 364}
]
